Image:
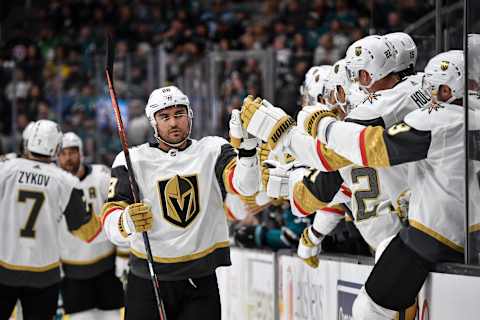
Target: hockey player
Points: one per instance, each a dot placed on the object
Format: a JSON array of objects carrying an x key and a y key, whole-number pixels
[
  {"x": 436, "y": 218},
  {"x": 374, "y": 63},
  {"x": 182, "y": 183},
  {"x": 34, "y": 194},
  {"x": 313, "y": 88},
  {"x": 90, "y": 289}
]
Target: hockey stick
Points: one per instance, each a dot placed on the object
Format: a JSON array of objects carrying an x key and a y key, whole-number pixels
[{"x": 131, "y": 176}]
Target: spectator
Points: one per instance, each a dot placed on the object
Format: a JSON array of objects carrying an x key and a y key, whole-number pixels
[{"x": 327, "y": 52}]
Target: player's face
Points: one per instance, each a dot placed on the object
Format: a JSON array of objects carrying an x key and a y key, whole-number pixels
[
  {"x": 331, "y": 98},
  {"x": 69, "y": 160},
  {"x": 322, "y": 100},
  {"x": 444, "y": 93},
  {"x": 173, "y": 124},
  {"x": 341, "y": 94},
  {"x": 364, "y": 78}
]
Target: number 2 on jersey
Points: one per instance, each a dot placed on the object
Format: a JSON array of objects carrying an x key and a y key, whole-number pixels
[
  {"x": 361, "y": 196},
  {"x": 38, "y": 199}
]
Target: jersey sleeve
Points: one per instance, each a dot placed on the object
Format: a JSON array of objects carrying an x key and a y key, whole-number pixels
[
  {"x": 237, "y": 173},
  {"x": 315, "y": 191},
  {"x": 312, "y": 153},
  {"x": 374, "y": 146},
  {"x": 119, "y": 194},
  {"x": 81, "y": 222},
  {"x": 224, "y": 169},
  {"x": 327, "y": 218}
]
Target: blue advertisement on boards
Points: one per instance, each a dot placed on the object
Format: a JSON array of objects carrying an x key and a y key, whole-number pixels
[{"x": 346, "y": 294}]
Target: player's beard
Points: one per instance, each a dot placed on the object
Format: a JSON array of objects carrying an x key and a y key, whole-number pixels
[
  {"x": 71, "y": 166},
  {"x": 175, "y": 138}
]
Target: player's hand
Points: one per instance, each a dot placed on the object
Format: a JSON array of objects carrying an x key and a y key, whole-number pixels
[
  {"x": 137, "y": 217},
  {"x": 309, "y": 247},
  {"x": 264, "y": 121},
  {"x": 275, "y": 178},
  {"x": 239, "y": 137}
]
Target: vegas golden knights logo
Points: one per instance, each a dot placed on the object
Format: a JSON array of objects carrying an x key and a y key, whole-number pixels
[
  {"x": 444, "y": 65},
  {"x": 179, "y": 198},
  {"x": 358, "y": 51}
]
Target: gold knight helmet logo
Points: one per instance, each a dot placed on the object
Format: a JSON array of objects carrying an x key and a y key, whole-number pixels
[
  {"x": 179, "y": 198},
  {"x": 444, "y": 65},
  {"x": 358, "y": 51}
]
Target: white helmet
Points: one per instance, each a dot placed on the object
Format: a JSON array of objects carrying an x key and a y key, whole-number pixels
[
  {"x": 339, "y": 77},
  {"x": 26, "y": 134},
  {"x": 308, "y": 77},
  {"x": 163, "y": 98},
  {"x": 406, "y": 51},
  {"x": 316, "y": 82},
  {"x": 71, "y": 140},
  {"x": 446, "y": 68},
  {"x": 373, "y": 54},
  {"x": 45, "y": 138}
]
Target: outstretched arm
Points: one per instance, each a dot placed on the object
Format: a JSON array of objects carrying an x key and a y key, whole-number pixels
[{"x": 375, "y": 146}]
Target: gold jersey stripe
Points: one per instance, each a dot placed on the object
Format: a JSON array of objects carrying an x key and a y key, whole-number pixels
[
  {"x": 331, "y": 160},
  {"x": 29, "y": 268},
  {"x": 113, "y": 205},
  {"x": 436, "y": 235},
  {"x": 306, "y": 199},
  {"x": 226, "y": 176},
  {"x": 190, "y": 257},
  {"x": 88, "y": 231},
  {"x": 373, "y": 148},
  {"x": 88, "y": 262}
]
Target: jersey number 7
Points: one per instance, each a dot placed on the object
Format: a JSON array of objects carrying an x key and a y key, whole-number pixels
[{"x": 38, "y": 199}]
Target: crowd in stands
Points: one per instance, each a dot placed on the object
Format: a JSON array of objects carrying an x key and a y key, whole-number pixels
[{"x": 52, "y": 55}]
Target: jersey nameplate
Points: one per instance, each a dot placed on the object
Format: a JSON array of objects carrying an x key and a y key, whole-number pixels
[
  {"x": 33, "y": 178},
  {"x": 420, "y": 98}
]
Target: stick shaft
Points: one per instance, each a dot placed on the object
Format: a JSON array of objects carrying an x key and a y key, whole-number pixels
[{"x": 135, "y": 191}]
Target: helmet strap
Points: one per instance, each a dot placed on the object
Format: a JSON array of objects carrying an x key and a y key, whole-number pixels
[{"x": 178, "y": 144}]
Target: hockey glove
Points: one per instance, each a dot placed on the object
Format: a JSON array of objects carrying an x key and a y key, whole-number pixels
[
  {"x": 137, "y": 217},
  {"x": 264, "y": 121},
  {"x": 309, "y": 247},
  {"x": 239, "y": 137},
  {"x": 275, "y": 177},
  {"x": 312, "y": 120}
]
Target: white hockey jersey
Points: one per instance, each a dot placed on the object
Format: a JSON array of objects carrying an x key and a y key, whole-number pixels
[
  {"x": 437, "y": 182},
  {"x": 34, "y": 196},
  {"x": 83, "y": 260},
  {"x": 375, "y": 190},
  {"x": 431, "y": 139},
  {"x": 185, "y": 189}
]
